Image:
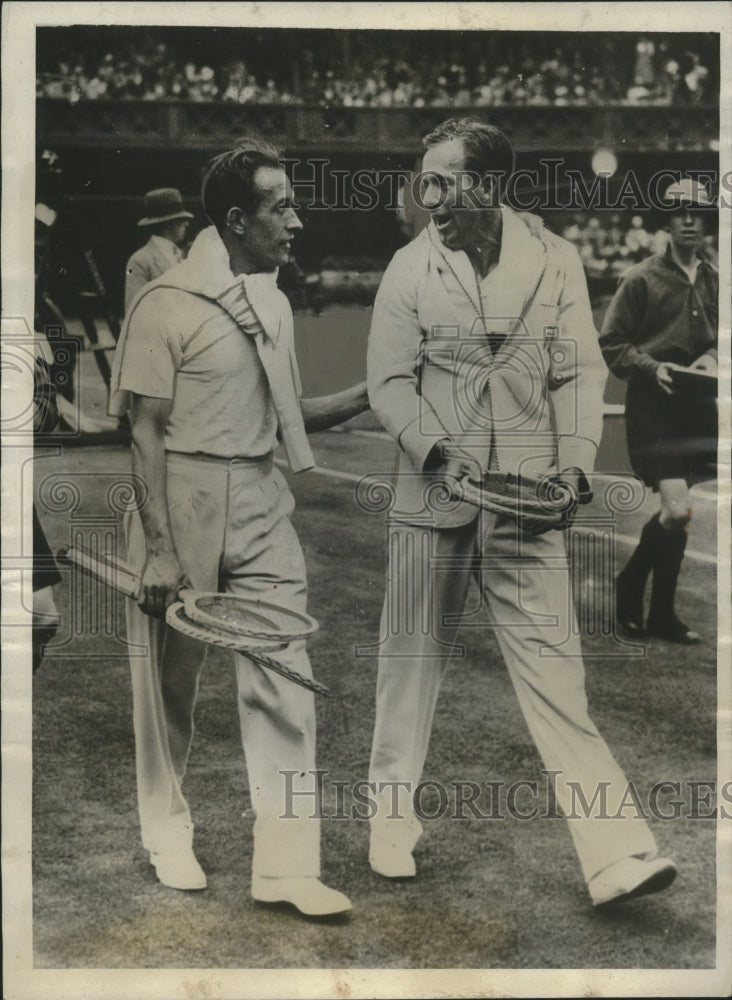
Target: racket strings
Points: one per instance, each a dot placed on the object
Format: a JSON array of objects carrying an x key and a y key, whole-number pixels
[
  {"x": 251, "y": 647},
  {"x": 231, "y": 614},
  {"x": 241, "y": 616},
  {"x": 536, "y": 496}
]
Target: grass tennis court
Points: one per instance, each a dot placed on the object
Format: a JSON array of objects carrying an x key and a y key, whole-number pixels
[{"x": 501, "y": 893}]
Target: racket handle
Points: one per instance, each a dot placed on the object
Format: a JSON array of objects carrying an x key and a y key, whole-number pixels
[{"x": 112, "y": 572}]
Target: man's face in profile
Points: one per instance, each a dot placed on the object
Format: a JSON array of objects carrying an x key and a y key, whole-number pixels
[{"x": 272, "y": 226}]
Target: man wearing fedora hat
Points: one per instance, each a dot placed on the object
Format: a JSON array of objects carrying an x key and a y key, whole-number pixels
[
  {"x": 660, "y": 335},
  {"x": 167, "y": 221}
]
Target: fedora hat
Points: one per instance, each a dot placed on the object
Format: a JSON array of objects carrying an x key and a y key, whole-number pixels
[{"x": 163, "y": 205}]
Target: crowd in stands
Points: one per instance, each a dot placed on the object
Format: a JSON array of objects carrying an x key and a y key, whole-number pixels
[
  {"x": 481, "y": 72},
  {"x": 611, "y": 244},
  {"x": 608, "y": 244},
  {"x": 608, "y": 247}
]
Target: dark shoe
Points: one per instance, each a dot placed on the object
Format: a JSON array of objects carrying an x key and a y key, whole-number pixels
[
  {"x": 628, "y": 615},
  {"x": 673, "y": 631},
  {"x": 44, "y": 629}
]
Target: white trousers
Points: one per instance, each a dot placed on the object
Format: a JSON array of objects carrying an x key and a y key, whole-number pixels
[
  {"x": 231, "y": 527},
  {"x": 525, "y": 589}
]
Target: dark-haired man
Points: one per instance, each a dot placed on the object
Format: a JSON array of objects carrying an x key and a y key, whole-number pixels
[
  {"x": 662, "y": 324},
  {"x": 483, "y": 356},
  {"x": 206, "y": 366}
]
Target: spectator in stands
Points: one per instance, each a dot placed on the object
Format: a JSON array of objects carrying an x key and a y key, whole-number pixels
[
  {"x": 691, "y": 87},
  {"x": 644, "y": 78},
  {"x": 638, "y": 239},
  {"x": 527, "y": 73},
  {"x": 612, "y": 249},
  {"x": 167, "y": 222}
]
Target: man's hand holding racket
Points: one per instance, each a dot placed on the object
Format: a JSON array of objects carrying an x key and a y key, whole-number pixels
[
  {"x": 246, "y": 624},
  {"x": 162, "y": 581},
  {"x": 536, "y": 505},
  {"x": 451, "y": 465}
]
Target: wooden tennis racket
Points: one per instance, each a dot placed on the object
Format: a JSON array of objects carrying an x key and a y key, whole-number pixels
[
  {"x": 537, "y": 505},
  {"x": 252, "y": 627}
]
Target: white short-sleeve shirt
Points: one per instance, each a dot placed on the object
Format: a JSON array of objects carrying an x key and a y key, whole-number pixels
[{"x": 184, "y": 347}]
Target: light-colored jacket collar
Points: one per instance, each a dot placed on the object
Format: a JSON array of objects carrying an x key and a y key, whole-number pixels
[{"x": 523, "y": 253}]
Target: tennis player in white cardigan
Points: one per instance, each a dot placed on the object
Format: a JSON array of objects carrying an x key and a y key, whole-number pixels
[{"x": 483, "y": 356}]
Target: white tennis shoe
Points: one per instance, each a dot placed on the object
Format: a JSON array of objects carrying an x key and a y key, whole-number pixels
[
  {"x": 179, "y": 869},
  {"x": 631, "y": 877},
  {"x": 392, "y": 842},
  {"x": 307, "y": 894},
  {"x": 391, "y": 860}
]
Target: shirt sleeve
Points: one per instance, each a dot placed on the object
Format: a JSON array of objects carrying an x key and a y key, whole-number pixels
[
  {"x": 620, "y": 327},
  {"x": 153, "y": 351},
  {"x": 393, "y": 364}
]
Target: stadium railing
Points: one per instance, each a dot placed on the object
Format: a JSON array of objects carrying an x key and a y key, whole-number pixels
[{"x": 196, "y": 125}]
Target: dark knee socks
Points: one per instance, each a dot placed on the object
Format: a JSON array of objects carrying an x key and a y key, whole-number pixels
[
  {"x": 631, "y": 581},
  {"x": 660, "y": 550},
  {"x": 666, "y": 566}
]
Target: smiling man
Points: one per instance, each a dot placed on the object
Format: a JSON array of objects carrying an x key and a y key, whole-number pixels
[
  {"x": 483, "y": 356},
  {"x": 206, "y": 367},
  {"x": 661, "y": 327}
]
